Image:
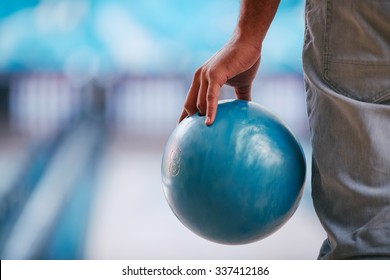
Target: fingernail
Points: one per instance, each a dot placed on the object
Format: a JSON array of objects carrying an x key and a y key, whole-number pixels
[{"x": 208, "y": 120}]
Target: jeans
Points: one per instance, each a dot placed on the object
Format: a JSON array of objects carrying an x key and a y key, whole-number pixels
[{"x": 346, "y": 61}]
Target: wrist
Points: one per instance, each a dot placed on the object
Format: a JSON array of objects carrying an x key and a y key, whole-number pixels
[{"x": 247, "y": 36}]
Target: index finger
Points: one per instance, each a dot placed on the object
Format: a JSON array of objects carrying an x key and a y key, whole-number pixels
[{"x": 212, "y": 102}]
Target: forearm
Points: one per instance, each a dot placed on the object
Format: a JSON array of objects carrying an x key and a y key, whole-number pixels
[{"x": 254, "y": 20}]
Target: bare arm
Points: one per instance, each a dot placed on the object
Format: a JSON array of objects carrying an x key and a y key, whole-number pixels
[{"x": 235, "y": 64}]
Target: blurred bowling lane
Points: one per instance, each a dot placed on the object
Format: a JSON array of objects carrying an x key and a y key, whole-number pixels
[
  {"x": 131, "y": 219},
  {"x": 22, "y": 161},
  {"x": 48, "y": 153},
  {"x": 13, "y": 157}
]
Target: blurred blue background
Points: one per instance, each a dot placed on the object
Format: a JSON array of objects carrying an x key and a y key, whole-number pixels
[{"x": 89, "y": 93}]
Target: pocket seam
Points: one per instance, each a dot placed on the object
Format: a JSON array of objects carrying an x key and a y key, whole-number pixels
[
  {"x": 379, "y": 96},
  {"x": 358, "y": 62}
]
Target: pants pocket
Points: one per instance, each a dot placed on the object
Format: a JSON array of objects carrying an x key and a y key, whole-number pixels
[{"x": 357, "y": 49}]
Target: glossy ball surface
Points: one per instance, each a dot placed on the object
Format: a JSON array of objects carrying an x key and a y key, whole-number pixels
[{"x": 236, "y": 181}]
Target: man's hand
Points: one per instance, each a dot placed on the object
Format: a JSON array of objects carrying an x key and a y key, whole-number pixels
[{"x": 236, "y": 65}]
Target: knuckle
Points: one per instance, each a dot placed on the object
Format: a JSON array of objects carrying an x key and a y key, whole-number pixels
[
  {"x": 198, "y": 73},
  {"x": 210, "y": 75},
  {"x": 211, "y": 96},
  {"x": 189, "y": 108},
  {"x": 214, "y": 72},
  {"x": 206, "y": 73},
  {"x": 212, "y": 107},
  {"x": 201, "y": 107}
]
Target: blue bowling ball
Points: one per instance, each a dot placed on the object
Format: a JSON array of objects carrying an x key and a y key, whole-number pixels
[{"x": 236, "y": 181}]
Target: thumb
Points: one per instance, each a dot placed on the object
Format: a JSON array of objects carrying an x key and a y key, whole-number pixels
[{"x": 244, "y": 92}]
